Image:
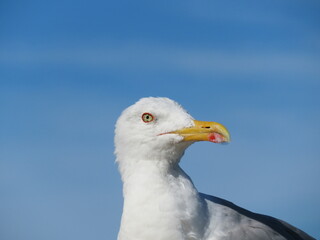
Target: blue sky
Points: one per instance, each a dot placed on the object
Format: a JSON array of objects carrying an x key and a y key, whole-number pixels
[{"x": 68, "y": 69}]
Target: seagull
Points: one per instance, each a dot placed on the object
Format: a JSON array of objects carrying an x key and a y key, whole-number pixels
[{"x": 160, "y": 200}]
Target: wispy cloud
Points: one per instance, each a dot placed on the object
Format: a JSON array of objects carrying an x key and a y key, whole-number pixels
[{"x": 151, "y": 57}]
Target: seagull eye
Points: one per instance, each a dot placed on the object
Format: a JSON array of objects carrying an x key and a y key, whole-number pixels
[{"x": 147, "y": 117}]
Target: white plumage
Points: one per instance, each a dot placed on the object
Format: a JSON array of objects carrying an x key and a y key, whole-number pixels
[{"x": 160, "y": 200}]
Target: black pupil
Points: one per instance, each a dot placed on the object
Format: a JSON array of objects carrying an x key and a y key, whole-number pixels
[{"x": 147, "y": 117}]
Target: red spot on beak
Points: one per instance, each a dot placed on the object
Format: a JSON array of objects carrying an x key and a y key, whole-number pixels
[{"x": 216, "y": 138}]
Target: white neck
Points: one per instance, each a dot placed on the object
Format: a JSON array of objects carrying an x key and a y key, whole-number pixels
[{"x": 160, "y": 203}]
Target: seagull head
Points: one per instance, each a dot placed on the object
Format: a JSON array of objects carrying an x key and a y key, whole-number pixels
[{"x": 159, "y": 129}]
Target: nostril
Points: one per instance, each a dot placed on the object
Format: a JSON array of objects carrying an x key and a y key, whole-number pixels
[{"x": 206, "y": 127}]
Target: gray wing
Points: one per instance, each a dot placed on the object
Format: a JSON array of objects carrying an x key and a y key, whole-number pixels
[{"x": 241, "y": 224}]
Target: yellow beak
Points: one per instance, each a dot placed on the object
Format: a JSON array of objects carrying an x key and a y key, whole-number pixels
[{"x": 204, "y": 131}]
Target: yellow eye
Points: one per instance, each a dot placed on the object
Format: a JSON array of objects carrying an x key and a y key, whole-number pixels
[{"x": 147, "y": 117}]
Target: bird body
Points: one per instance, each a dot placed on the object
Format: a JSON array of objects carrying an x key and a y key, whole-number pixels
[
  {"x": 160, "y": 200},
  {"x": 171, "y": 206}
]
